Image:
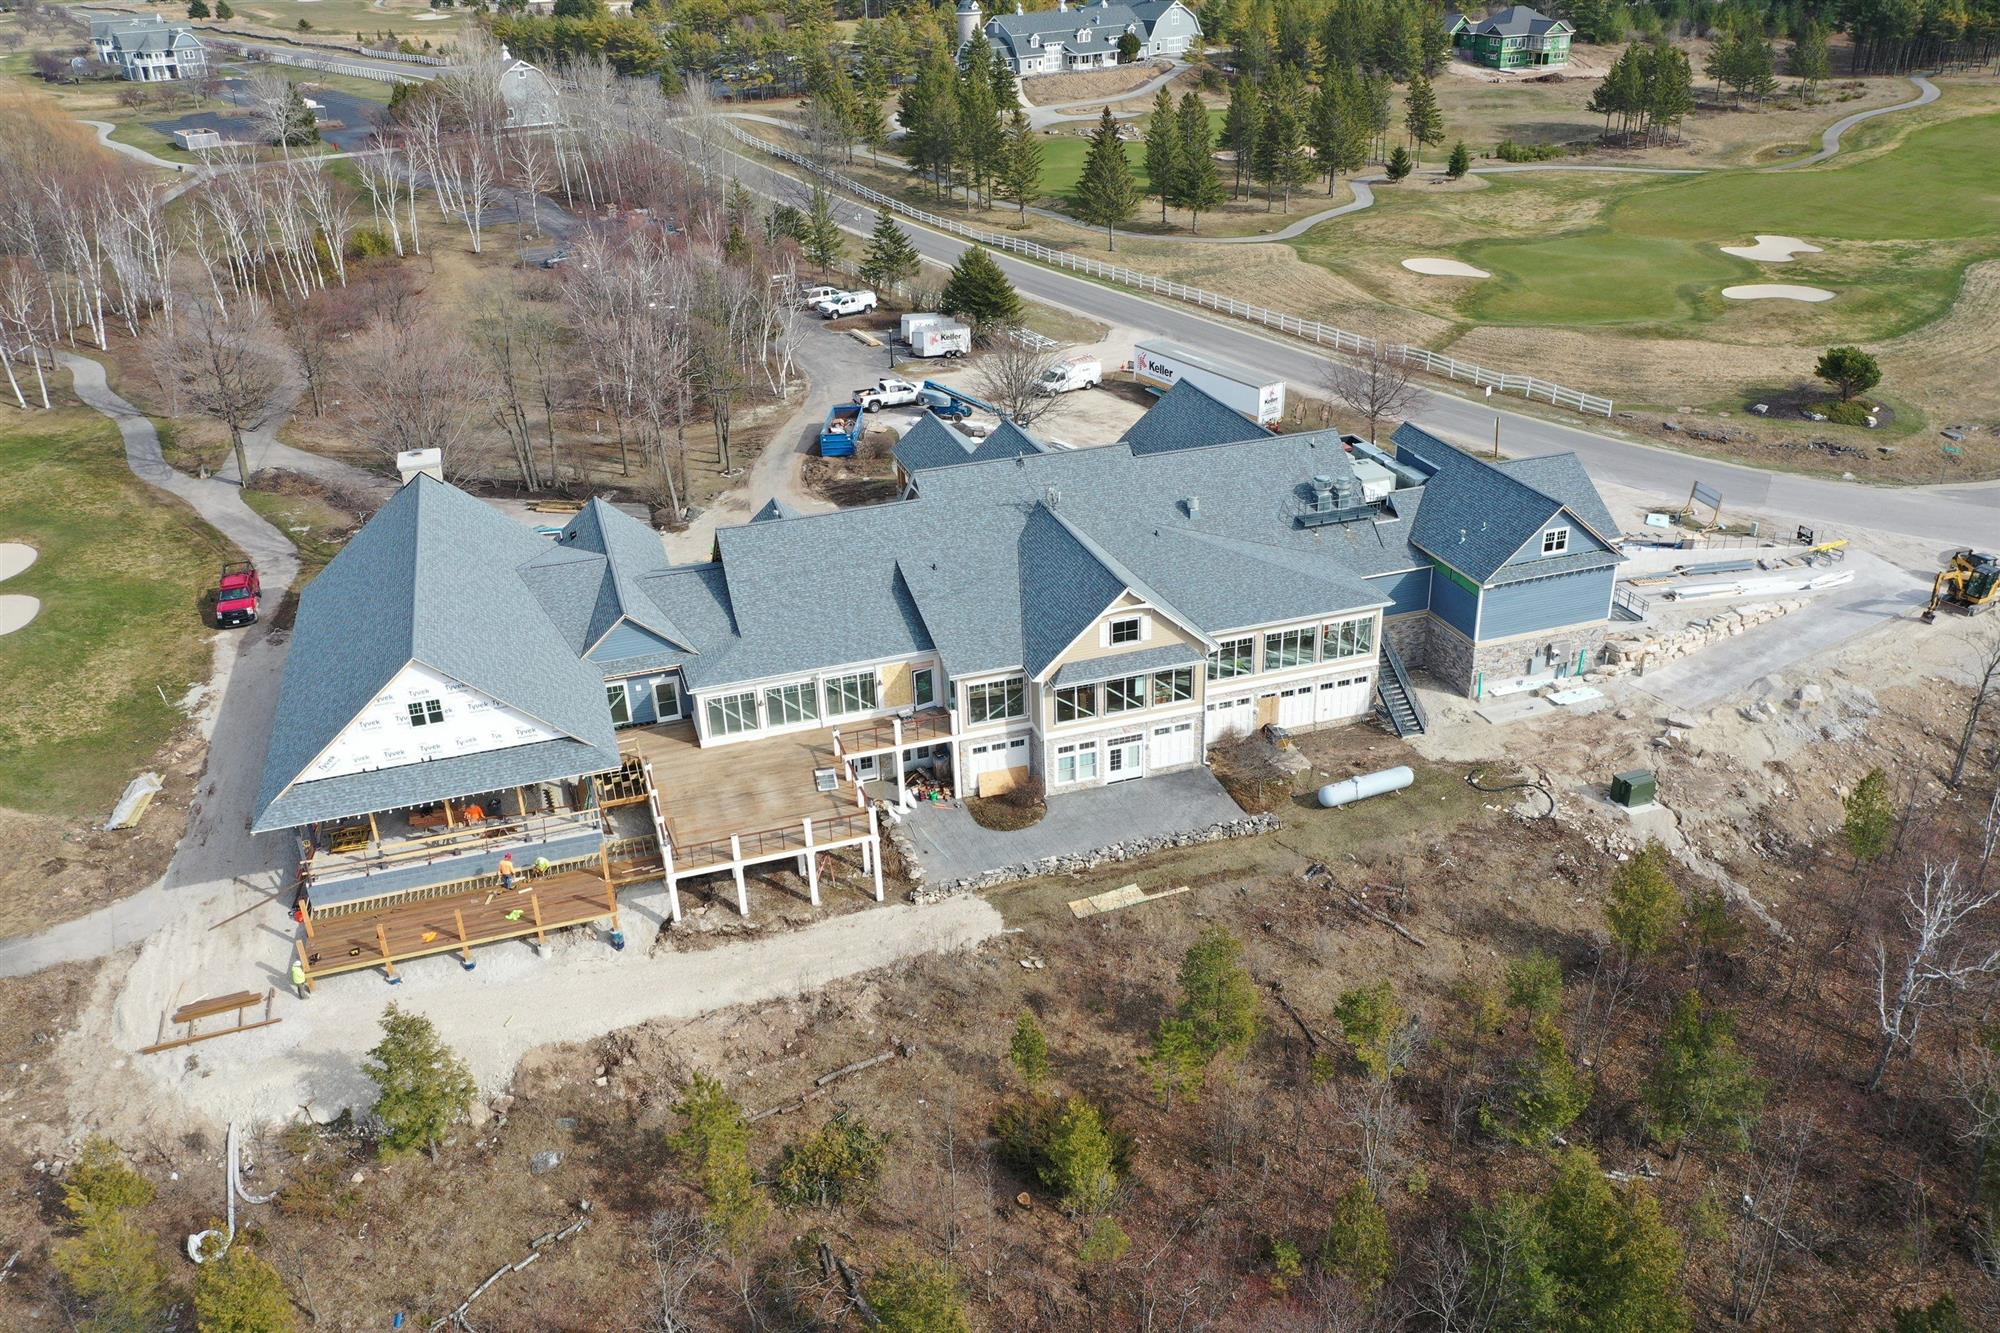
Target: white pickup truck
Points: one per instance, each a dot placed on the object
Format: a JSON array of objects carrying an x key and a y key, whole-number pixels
[
  {"x": 887, "y": 392},
  {"x": 846, "y": 303}
]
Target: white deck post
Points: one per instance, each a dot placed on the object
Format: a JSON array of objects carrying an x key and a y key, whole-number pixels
[
  {"x": 673, "y": 886},
  {"x": 736, "y": 869},
  {"x": 812, "y": 864},
  {"x": 871, "y": 851},
  {"x": 902, "y": 794}
]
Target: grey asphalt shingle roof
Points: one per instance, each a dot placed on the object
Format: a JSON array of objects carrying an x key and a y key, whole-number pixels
[
  {"x": 1187, "y": 417},
  {"x": 1516, "y": 21},
  {"x": 774, "y": 508},
  {"x": 413, "y": 784},
  {"x": 1164, "y": 658},
  {"x": 1476, "y": 515},
  {"x": 932, "y": 444},
  {"x": 628, "y": 551},
  {"x": 432, "y": 578}
]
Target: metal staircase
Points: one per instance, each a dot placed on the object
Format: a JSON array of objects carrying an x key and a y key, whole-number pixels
[{"x": 1397, "y": 700}]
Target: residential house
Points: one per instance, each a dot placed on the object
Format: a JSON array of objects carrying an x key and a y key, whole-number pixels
[
  {"x": 1515, "y": 38},
  {"x": 1063, "y": 39},
  {"x": 1072, "y": 616},
  {"x": 529, "y": 94},
  {"x": 148, "y": 48}
]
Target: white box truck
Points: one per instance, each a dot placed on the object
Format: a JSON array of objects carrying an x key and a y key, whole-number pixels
[
  {"x": 944, "y": 338},
  {"x": 1258, "y": 396}
]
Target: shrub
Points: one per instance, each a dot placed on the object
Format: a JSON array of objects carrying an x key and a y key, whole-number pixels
[
  {"x": 839, "y": 1163},
  {"x": 917, "y": 1296},
  {"x": 1843, "y": 414},
  {"x": 1507, "y": 150},
  {"x": 1106, "y": 1243},
  {"x": 369, "y": 243},
  {"x": 1069, "y": 1146},
  {"x": 109, "y": 1262},
  {"x": 1357, "y": 1244}
]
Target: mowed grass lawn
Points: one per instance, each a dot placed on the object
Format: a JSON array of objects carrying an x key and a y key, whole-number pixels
[
  {"x": 120, "y": 576},
  {"x": 1063, "y": 154},
  {"x": 1896, "y": 229}
]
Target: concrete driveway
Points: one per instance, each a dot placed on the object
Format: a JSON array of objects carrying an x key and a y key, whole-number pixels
[{"x": 949, "y": 845}]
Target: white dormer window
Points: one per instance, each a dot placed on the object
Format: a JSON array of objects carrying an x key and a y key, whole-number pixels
[
  {"x": 1083, "y": 34},
  {"x": 1035, "y": 40},
  {"x": 1555, "y": 541},
  {"x": 1124, "y": 631},
  {"x": 426, "y": 712}
]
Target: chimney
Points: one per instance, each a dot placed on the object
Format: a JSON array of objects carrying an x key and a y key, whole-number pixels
[
  {"x": 1193, "y": 503},
  {"x": 414, "y": 463},
  {"x": 1062, "y": 6}
]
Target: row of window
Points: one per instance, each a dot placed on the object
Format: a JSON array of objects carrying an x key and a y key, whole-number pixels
[
  {"x": 798, "y": 702},
  {"x": 995, "y": 701},
  {"x": 1075, "y": 703},
  {"x": 1293, "y": 647}
]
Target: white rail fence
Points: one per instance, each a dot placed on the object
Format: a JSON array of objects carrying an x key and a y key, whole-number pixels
[
  {"x": 1312, "y": 330},
  {"x": 326, "y": 64}
]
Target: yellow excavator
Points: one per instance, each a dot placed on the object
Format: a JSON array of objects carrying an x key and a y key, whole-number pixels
[{"x": 1969, "y": 584}]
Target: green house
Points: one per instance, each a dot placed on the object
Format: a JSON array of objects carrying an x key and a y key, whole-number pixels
[{"x": 1515, "y": 38}]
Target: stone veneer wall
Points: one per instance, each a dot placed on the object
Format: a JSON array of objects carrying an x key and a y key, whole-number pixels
[
  {"x": 1510, "y": 658},
  {"x": 1073, "y": 862}
]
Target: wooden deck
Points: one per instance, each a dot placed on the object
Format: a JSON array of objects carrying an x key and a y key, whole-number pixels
[
  {"x": 708, "y": 794},
  {"x": 458, "y": 923}
]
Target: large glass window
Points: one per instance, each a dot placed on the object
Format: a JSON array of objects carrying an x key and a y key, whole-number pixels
[
  {"x": 1124, "y": 694},
  {"x": 1076, "y": 763},
  {"x": 1290, "y": 648},
  {"x": 789, "y": 705},
  {"x": 1348, "y": 638},
  {"x": 1172, "y": 687},
  {"x": 923, "y": 686},
  {"x": 1232, "y": 657},
  {"x": 994, "y": 700},
  {"x": 850, "y": 694},
  {"x": 1076, "y": 702},
  {"x": 1555, "y": 541},
  {"x": 732, "y": 713},
  {"x": 621, "y": 706}
]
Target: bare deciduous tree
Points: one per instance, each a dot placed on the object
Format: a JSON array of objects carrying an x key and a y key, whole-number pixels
[
  {"x": 1010, "y": 377},
  {"x": 419, "y": 387},
  {"x": 682, "y": 1245},
  {"x": 1375, "y": 383},
  {"x": 1766, "y": 1204},
  {"x": 1987, "y": 648},
  {"x": 215, "y": 363},
  {"x": 1937, "y": 961}
]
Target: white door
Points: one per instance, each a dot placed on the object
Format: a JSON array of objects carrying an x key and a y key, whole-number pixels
[
  {"x": 1295, "y": 706},
  {"x": 1124, "y": 757},
  {"x": 1230, "y": 717},
  {"x": 1172, "y": 745},
  {"x": 1343, "y": 698}
]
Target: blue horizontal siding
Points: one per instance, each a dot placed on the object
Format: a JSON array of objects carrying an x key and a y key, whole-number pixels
[
  {"x": 628, "y": 640},
  {"x": 1545, "y": 604},
  {"x": 1580, "y": 541},
  {"x": 465, "y": 865},
  {"x": 1408, "y": 591},
  {"x": 1454, "y": 605}
]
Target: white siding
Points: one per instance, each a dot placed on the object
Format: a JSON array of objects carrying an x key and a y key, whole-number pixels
[{"x": 381, "y": 735}]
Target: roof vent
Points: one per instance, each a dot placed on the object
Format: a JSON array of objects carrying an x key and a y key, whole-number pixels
[
  {"x": 1193, "y": 503},
  {"x": 1051, "y": 497}
]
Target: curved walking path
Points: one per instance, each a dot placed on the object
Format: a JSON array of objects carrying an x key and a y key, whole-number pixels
[
  {"x": 1927, "y": 92},
  {"x": 1041, "y": 117}
]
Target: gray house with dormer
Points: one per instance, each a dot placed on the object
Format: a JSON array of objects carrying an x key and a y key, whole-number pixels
[
  {"x": 148, "y": 48},
  {"x": 1064, "y": 40}
]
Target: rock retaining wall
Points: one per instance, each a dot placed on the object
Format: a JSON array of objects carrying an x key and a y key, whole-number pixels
[
  {"x": 1635, "y": 657},
  {"x": 1073, "y": 862}
]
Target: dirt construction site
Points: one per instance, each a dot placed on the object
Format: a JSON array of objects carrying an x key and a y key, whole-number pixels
[{"x": 1758, "y": 712}]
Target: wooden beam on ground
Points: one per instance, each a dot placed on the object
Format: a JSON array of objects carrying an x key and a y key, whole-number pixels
[
  {"x": 464, "y": 945},
  {"x": 1383, "y": 919},
  {"x": 190, "y": 1014},
  {"x": 388, "y": 963},
  {"x": 535, "y": 905}
]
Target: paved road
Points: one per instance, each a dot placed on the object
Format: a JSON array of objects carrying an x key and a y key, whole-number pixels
[
  {"x": 1965, "y": 513},
  {"x": 1927, "y": 92}
]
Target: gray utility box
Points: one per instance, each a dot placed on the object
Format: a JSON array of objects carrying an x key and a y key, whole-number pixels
[{"x": 1636, "y": 788}]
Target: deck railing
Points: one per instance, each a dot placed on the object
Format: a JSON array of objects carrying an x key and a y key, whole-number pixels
[
  {"x": 489, "y": 835},
  {"x": 769, "y": 842},
  {"x": 930, "y": 724}
]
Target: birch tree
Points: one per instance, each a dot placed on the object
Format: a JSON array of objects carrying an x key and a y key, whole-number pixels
[{"x": 1931, "y": 961}]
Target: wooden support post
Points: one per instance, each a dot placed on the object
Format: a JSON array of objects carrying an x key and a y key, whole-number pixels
[
  {"x": 871, "y": 851},
  {"x": 374, "y": 832},
  {"x": 812, "y": 865},
  {"x": 604, "y": 861},
  {"x": 521, "y": 801},
  {"x": 306, "y": 915},
  {"x": 535, "y": 904},
  {"x": 306, "y": 963},
  {"x": 448, "y": 814},
  {"x": 464, "y": 943},
  {"x": 896, "y": 758},
  {"x": 611, "y": 901},
  {"x": 388, "y": 965},
  {"x": 736, "y": 869}
]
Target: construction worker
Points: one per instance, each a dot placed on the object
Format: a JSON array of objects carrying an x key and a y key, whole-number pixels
[
  {"x": 541, "y": 867},
  {"x": 507, "y": 871},
  {"x": 299, "y": 979}
]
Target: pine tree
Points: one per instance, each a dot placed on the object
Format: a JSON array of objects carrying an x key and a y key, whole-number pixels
[
  {"x": 223, "y": 11},
  {"x": 713, "y": 1146},
  {"x": 979, "y": 292},
  {"x": 1217, "y": 1016},
  {"x": 928, "y": 108},
  {"x": 820, "y": 237},
  {"x": 1163, "y": 151},
  {"x": 1459, "y": 162},
  {"x": 1107, "y": 194},
  {"x": 1542, "y": 1093},
  {"x": 1702, "y": 1089},
  {"x": 1421, "y": 116},
  {"x": 1670, "y": 94},
  {"x": 1324, "y": 130},
  {"x": 110, "y": 1263},
  {"x": 1357, "y": 1245},
  {"x": 1399, "y": 165},
  {"x": 1376, "y": 95},
  {"x": 1811, "y": 61},
  {"x": 1081, "y": 1160},
  {"x": 917, "y": 1295},
  {"x": 1020, "y": 181},
  {"x": 979, "y": 132},
  {"x": 1198, "y": 187},
  {"x": 1281, "y": 160},
  {"x": 423, "y": 1087},
  {"x": 1642, "y": 904},
  {"x": 1241, "y": 125},
  {"x": 1870, "y": 818},
  {"x": 1029, "y": 1052},
  {"x": 197, "y": 9},
  {"x": 237, "y": 1292},
  {"x": 891, "y": 260},
  {"x": 1372, "y": 1023}
]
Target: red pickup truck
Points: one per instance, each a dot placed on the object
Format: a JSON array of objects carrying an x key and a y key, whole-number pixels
[{"x": 236, "y": 594}]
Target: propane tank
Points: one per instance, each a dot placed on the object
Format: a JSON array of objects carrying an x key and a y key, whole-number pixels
[{"x": 1368, "y": 784}]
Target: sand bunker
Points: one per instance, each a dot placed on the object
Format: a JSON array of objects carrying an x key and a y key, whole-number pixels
[
  {"x": 1444, "y": 268},
  {"x": 1772, "y": 249},
  {"x": 15, "y": 557},
  {"x": 16, "y": 611},
  {"x": 1777, "y": 291}
]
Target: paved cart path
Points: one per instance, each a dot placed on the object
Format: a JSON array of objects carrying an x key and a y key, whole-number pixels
[{"x": 1927, "y": 92}]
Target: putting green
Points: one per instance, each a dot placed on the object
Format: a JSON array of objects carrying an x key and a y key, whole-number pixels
[{"x": 1913, "y": 217}]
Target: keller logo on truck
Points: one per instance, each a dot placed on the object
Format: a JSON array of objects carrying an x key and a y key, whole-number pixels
[{"x": 1160, "y": 369}]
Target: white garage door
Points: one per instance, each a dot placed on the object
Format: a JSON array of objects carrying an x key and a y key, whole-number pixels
[
  {"x": 991, "y": 757},
  {"x": 1295, "y": 706},
  {"x": 1172, "y": 745},
  {"x": 1230, "y": 717},
  {"x": 1342, "y": 698}
]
